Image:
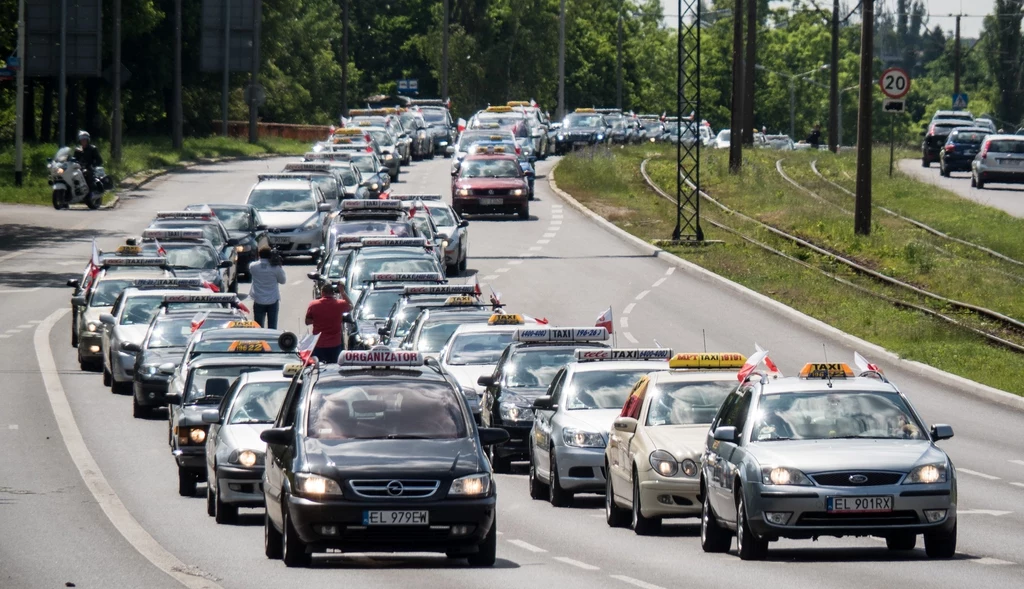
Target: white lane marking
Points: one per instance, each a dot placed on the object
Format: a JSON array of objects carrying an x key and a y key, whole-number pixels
[
  {"x": 670, "y": 271},
  {"x": 1017, "y": 484},
  {"x": 297, "y": 282},
  {"x": 1020, "y": 462},
  {"x": 502, "y": 270},
  {"x": 13, "y": 331},
  {"x": 13, "y": 426},
  {"x": 501, "y": 533},
  {"x": 4, "y": 336},
  {"x": 6, "y": 257},
  {"x": 549, "y": 235},
  {"x": 981, "y": 512},
  {"x": 624, "y": 321},
  {"x": 19, "y": 290},
  {"x": 577, "y": 564},
  {"x": 543, "y": 241},
  {"x": 92, "y": 476},
  {"x": 36, "y": 321},
  {"x": 489, "y": 277},
  {"x": 535, "y": 248},
  {"x": 29, "y": 326},
  {"x": 630, "y": 337},
  {"x": 636, "y": 582},
  {"x": 990, "y": 561},
  {"x": 69, "y": 263},
  {"x": 514, "y": 262},
  {"x": 642, "y": 294},
  {"x": 978, "y": 474},
  {"x": 556, "y": 216},
  {"x": 628, "y": 309},
  {"x": 527, "y": 546},
  {"x": 659, "y": 282},
  {"x": 556, "y": 221}
]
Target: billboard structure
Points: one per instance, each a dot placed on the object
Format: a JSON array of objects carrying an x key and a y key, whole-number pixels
[{"x": 81, "y": 31}]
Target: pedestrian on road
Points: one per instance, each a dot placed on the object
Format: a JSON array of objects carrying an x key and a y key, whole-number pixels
[
  {"x": 815, "y": 137},
  {"x": 267, "y": 275},
  {"x": 325, "y": 315}
]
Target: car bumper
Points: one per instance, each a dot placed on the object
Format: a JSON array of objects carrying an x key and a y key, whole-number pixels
[
  {"x": 664, "y": 497},
  {"x": 297, "y": 243},
  {"x": 809, "y": 517},
  {"x": 474, "y": 204},
  {"x": 191, "y": 459},
  {"x": 516, "y": 447},
  {"x": 122, "y": 366},
  {"x": 580, "y": 469},
  {"x": 393, "y": 164},
  {"x": 957, "y": 162},
  {"x": 345, "y": 519},
  {"x": 90, "y": 346},
  {"x": 151, "y": 392},
  {"x": 1007, "y": 177},
  {"x": 240, "y": 486}
]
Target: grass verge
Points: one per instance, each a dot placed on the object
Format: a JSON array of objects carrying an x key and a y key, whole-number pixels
[
  {"x": 609, "y": 182},
  {"x": 137, "y": 155}
]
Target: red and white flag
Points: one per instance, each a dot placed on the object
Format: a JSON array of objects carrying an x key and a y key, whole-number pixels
[
  {"x": 305, "y": 347},
  {"x": 605, "y": 320},
  {"x": 767, "y": 360},
  {"x": 199, "y": 319},
  {"x": 751, "y": 364},
  {"x": 540, "y": 320},
  {"x": 159, "y": 248},
  {"x": 864, "y": 365},
  {"x": 95, "y": 262},
  {"x": 211, "y": 286},
  {"x": 462, "y": 125},
  {"x": 476, "y": 285},
  {"x": 495, "y": 296}
]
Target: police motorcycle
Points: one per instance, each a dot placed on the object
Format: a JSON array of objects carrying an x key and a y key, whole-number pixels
[{"x": 67, "y": 180}]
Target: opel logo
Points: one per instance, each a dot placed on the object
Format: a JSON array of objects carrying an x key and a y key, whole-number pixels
[
  {"x": 857, "y": 479},
  {"x": 396, "y": 488},
  {"x": 490, "y": 192}
]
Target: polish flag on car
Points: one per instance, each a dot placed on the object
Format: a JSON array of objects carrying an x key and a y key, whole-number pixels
[
  {"x": 305, "y": 347},
  {"x": 540, "y": 320},
  {"x": 95, "y": 262},
  {"x": 462, "y": 125},
  {"x": 605, "y": 320},
  {"x": 159, "y": 248},
  {"x": 751, "y": 364}
]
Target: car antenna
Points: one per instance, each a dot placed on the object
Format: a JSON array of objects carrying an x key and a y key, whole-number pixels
[
  {"x": 828, "y": 375},
  {"x": 704, "y": 335},
  {"x": 657, "y": 344}
]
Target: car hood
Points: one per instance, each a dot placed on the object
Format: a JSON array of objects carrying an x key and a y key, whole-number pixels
[
  {"x": 286, "y": 220},
  {"x": 92, "y": 314},
  {"x": 812, "y": 456},
  {"x": 467, "y": 375},
  {"x": 580, "y": 130},
  {"x": 239, "y": 235},
  {"x": 591, "y": 420},
  {"x": 383, "y": 458},
  {"x": 243, "y": 436},
  {"x": 682, "y": 441},
  {"x": 485, "y": 183},
  {"x": 163, "y": 355},
  {"x": 446, "y": 232},
  {"x": 524, "y": 394},
  {"x": 131, "y": 333}
]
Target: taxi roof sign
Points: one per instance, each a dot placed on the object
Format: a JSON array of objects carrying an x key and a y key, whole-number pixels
[
  {"x": 380, "y": 356},
  {"x": 336, "y": 156},
  {"x": 561, "y": 334},
  {"x": 135, "y": 261},
  {"x": 167, "y": 282},
  {"x": 499, "y": 109},
  {"x": 297, "y": 176},
  {"x": 129, "y": 250},
  {"x": 395, "y": 241},
  {"x": 460, "y": 301},
  {"x": 369, "y": 204},
  {"x": 291, "y": 370},
  {"x": 826, "y": 370},
  {"x": 518, "y": 103},
  {"x": 707, "y": 360},
  {"x": 249, "y": 347},
  {"x": 623, "y": 354},
  {"x": 406, "y": 277},
  {"x": 506, "y": 319},
  {"x": 173, "y": 234},
  {"x": 586, "y": 110},
  {"x": 404, "y": 197},
  {"x": 248, "y": 324},
  {"x": 440, "y": 289},
  {"x": 204, "y": 215},
  {"x": 201, "y": 297},
  {"x": 348, "y": 132},
  {"x": 307, "y": 167}
]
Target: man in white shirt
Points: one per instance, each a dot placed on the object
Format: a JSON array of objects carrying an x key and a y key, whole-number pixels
[{"x": 267, "y": 276}]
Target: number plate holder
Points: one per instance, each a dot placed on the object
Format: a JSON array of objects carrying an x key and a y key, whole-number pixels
[
  {"x": 873, "y": 504},
  {"x": 420, "y": 517},
  {"x": 276, "y": 239},
  {"x": 491, "y": 202}
]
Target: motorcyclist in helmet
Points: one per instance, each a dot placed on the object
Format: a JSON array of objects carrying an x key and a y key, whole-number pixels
[{"x": 88, "y": 157}]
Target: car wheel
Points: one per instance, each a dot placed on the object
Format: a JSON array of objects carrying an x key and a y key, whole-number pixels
[
  {"x": 74, "y": 339},
  {"x": 524, "y": 212},
  {"x": 901, "y": 542},
  {"x": 500, "y": 464},
  {"x": 940, "y": 544},
  {"x": 120, "y": 388},
  {"x": 616, "y": 516},
  {"x": 943, "y": 170},
  {"x": 211, "y": 507},
  {"x": 139, "y": 411},
  {"x": 186, "y": 483},
  {"x": 979, "y": 183},
  {"x": 642, "y": 525},
  {"x": 558, "y": 496},
  {"x": 234, "y": 286},
  {"x": 451, "y": 269},
  {"x": 488, "y": 549},
  {"x": 294, "y": 549},
  {"x": 713, "y": 537},
  {"x": 538, "y": 490},
  {"x": 107, "y": 377},
  {"x": 925, "y": 163},
  {"x": 224, "y": 513},
  {"x": 462, "y": 264},
  {"x": 749, "y": 546},
  {"x": 273, "y": 545}
]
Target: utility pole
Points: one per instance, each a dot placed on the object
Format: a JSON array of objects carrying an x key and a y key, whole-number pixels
[
  {"x": 618, "y": 61},
  {"x": 956, "y": 58},
  {"x": 115, "y": 115},
  {"x": 736, "y": 133},
  {"x": 748, "y": 74},
  {"x": 62, "y": 85},
  {"x": 444, "y": 54},
  {"x": 226, "y": 80},
  {"x": 19, "y": 101},
  {"x": 792, "y": 108},
  {"x": 176, "y": 111},
  {"x": 834, "y": 138},
  {"x": 344, "y": 58},
  {"x": 560, "y": 112},
  {"x": 257, "y": 25},
  {"x": 862, "y": 209}
]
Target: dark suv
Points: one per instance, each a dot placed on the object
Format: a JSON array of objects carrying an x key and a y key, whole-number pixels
[
  {"x": 961, "y": 146},
  {"x": 935, "y": 138}
]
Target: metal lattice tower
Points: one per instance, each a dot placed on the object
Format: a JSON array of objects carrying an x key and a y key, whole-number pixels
[{"x": 688, "y": 107}]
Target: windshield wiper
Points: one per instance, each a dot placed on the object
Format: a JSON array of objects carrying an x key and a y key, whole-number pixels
[{"x": 407, "y": 437}]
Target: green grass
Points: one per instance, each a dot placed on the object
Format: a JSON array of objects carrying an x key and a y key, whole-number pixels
[
  {"x": 137, "y": 155},
  {"x": 609, "y": 182}
]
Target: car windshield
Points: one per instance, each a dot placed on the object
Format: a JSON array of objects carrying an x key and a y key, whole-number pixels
[
  {"x": 1006, "y": 146},
  {"x": 823, "y": 415},
  {"x": 489, "y": 168},
  {"x": 106, "y": 292},
  {"x": 537, "y": 367},
  {"x": 478, "y": 348},
  {"x": 349, "y": 178},
  {"x": 282, "y": 200},
  {"x": 382, "y": 137},
  {"x": 432, "y": 337},
  {"x": 470, "y": 137},
  {"x": 687, "y": 403},
  {"x": 258, "y": 402},
  {"x": 582, "y": 121},
  {"x": 188, "y": 255},
  {"x": 725, "y": 135},
  {"x": 389, "y": 228},
  {"x": 208, "y": 384},
  {"x": 443, "y": 216},
  {"x": 234, "y": 219},
  {"x": 172, "y": 333},
  {"x": 601, "y": 389},
  {"x": 943, "y": 129},
  {"x": 433, "y": 117},
  {"x": 363, "y": 270},
  {"x": 364, "y": 164},
  {"x": 376, "y": 410},
  {"x": 139, "y": 310},
  {"x": 377, "y": 304},
  {"x": 327, "y": 184}
]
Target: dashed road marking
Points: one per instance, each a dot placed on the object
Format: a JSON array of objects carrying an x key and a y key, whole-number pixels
[
  {"x": 13, "y": 426},
  {"x": 502, "y": 270},
  {"x": 636, "y": 582},
  {"x": 555, "y": 221},
  {"x": 489, "y": 277},
  {"x": 4, "y": 336},
  {"x": 543, "y": 241},
  {"x": 670, "y": 271},
  {"x": 624, "y": 321},
  {"x": 549, "y": 235},
  {"x": 990, "y": 561},
  {"x": 642, "y": 294},
  {"x": 19, "y": 290},
  {"x": 981, "y": 512},
  {"x": 527, "y": 546},
  {"x": 36, "y": 321},
  {"x": 576, "y": 563},
  {"x": 659, "y": 282},
  {"x": 1017, "y": 484},
  {"x": 628, "y": 309},
  {"x": 978, "y": 474},
  {"x": 13, "y": 331},
  {"x": 535, "y": 248},
  {"x": 6, "y": 257},
  {"x": 24, "y": 327},
  {"x": 630, "y": 337},
  {"x": 297, "y": 282},
  {"x": 1020, "y": 462},
  {"x": 514, "y": 262}
]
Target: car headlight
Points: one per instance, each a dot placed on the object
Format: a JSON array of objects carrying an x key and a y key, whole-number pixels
[
  {"x": 517, "y": 192},
  {"x": 150, "y": 369},
  {"x": 312, "y": 223},
  {"x": 197, "y": 435},
  {"x": 374, "y": 186},
  {"x": 246, "y": 458},
  {"x": 783, "y": 476},
  {"x": 926, "y": 474},
  {"x": 444, "y": 243},
  {"x": 512, "y": 412},
  {"x": 578, "y": 438},
  {"x": 462, "y": 192},
  {"x": 664, "y": 463},
  {"x": 369, "y": 338},
  {"x": 191, "y": 436},
  {"x": 422, "y": 135},
  {"x": 93, "y": 327},
  {"x": 241, "y": 248},
  {"x": 561, "y": 137},
  {"x": 313, "y": 484},
  {"x": 388, "y": 156},
  {"x": 443, "y": 143},
  {"x": 474, "y": 485},
  {"x": 600, "y": 136}
]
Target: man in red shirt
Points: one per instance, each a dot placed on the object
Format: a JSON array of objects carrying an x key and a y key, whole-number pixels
[{"x": 325, "y": 315}]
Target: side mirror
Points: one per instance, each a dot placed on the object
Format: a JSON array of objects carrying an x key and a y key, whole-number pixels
[
  {"x": 625, "y": 424},
  {"x": 78, "y": 300},
  {"x": 211, "y": 416},
  {"x": 107, "y": 319},
  {"x": 325, "y": 207},
  {"x": 383, "y": 331},
  {"x": 455, "y": 171},
  {"x": 313, "y": 275},
  {"x": 544, "y": 403},
  {"x": 383, "y": 169},
  {"x": 167, "y": 368},
  {"x": 261, "y": 228},
  {"x": 725, "y": 434},
  {"x": 131, "y": 347},
  {"x": 173, "y": 398},
  {"x": 278, "y": 436},
  {"x": 347, "y": 318},
  {"x": 234, "y": 241},
  {"x": 941, "y": 431},
  {"x": 486, "y": 381},
  {"x": 490, "y": 436},
  {"x": 226, "y": 264},
  {"x": 74, "y": 283},
  {"x": 463, "y": 223}
]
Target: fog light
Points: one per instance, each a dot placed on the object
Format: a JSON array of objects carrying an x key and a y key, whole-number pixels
[
  {"x": 665, "y": 499},
  {"x": 328, "y": 530},
  {"x": 236, "y": 487},
  {"x": 94, "y": 349},
  {"x": 462, "y": 530},
  {"x": 934, "y": 515},
  {"x": 152, "y": 395},
  {"x": 779, "y": 518}
]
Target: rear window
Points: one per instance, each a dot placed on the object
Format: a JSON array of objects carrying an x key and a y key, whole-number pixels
[
  {"x": 968, "y": 137},
  {"x": 1007, "y": 146},
  {"x": 943, "y": 129}
]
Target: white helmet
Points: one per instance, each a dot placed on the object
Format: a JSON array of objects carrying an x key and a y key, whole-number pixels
[{"x": 84, "y": 135}]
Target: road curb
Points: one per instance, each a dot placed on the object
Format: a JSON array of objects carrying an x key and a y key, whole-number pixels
[{"x": 970, "y": 387}]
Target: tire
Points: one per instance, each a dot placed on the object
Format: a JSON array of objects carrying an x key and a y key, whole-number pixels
[
  {"x": 749, "y": 546},
  {"x": 557, "y": 496},
  {"x": 538, "y": 490},
  {"x": 139, "y": 411},
  {"x": 58, "y": 200},
  {"x": 211, "y": 509},
  {"x": 925, "y": 162},
  {"x": 462, "y": 264},
  {"x": 233, "y": 288},
  {"x": 294, "y": 549},
  {"x": 95, "y": 202},
  {"x": 74, "y": 338},
  {"x": 186, "y": 483},
  {"x": 713, "y": 537},
  {"x": 940, "y": 544},
  {"x": 974, "y": 181},
  {"x": 451, "y": 270},
  {"x": 615, "y": 516},
  {"x": 488, "y": 549},
  {"x": 980, "y": 184},
  {"x": 107, "y": 377},
  {"x": 273, "y": 545},
  {"x": 943, "y": 171},
  {"x": 901, "y": 542},
  {"x": 224, "y": 513},
  {"x": 643, "y": 526},
  {"x": 524, "y": 212},
  {"x": 500, "y": 464},
  {"x": 120, "y": 388}
]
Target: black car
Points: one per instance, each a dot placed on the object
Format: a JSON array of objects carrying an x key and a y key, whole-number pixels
[
  {"x": 243, "y": 224},
  {"x": 580, "y": 129},
  {"x": 440, "y": 126},
  {"x": 523, "y": 373},
  {"x": 961, "y": 146},
  {"x": 380, "y": 454},
  {"x": 375, "y": 305},
  {"x": 935, "y": 138}
]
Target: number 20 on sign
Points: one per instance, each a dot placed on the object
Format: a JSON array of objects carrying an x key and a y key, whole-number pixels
[{"x": 895, "y": 83}]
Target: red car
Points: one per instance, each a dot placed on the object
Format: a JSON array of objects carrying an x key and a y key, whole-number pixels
[{"x": 490, "y": 183}]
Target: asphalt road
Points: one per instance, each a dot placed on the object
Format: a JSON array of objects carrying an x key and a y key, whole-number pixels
[
  {"x": 1007, "y": 197},
  {"x": 88, "y": 494}
]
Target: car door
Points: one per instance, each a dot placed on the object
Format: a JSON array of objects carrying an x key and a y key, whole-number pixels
[
  {"x": 725, "y": 455},
  {"x": 620, "y": 468},
  {"x": 278, "y": 460},
  {"x": 213, "y": 434},
  {"x": 489, "y": 403},
  {"x": 543, "y": 424},
  {"x": 107, "y": 331}
]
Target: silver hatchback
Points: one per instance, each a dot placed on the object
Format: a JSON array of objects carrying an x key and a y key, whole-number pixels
[{"x": 1001, "y": 159}]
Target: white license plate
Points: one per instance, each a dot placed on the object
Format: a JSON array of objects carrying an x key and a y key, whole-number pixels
[
  {"x": 489, "y": 202},
  {"x": 860, "y": 504},
  {"x": 1011, "y": 162},
  {"x": 279, "y": 239},
  {"x": 396, "y": 518}
]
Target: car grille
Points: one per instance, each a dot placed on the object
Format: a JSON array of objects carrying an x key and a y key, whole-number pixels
[
  {"x": 838, "y": 520},
  {"x": 870, "y": 479},
  {"x": 490, "y": 192},
  {"x": 394, "y": 488},
  {"x": 577, "y": 136},
  {"x": 397, "y": 534}
]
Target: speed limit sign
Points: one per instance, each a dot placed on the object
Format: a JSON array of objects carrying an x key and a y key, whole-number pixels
[{"x": 895, "y": 82}]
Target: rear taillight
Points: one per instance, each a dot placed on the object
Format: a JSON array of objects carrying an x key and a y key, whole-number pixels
[
  {"x": 931, "y": 130},
  {"x": 950, "y": 148},
  {"x": 984, "y": 150}
]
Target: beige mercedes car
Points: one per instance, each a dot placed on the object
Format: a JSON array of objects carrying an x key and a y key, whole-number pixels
[{"x": 655, "y": 445}]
